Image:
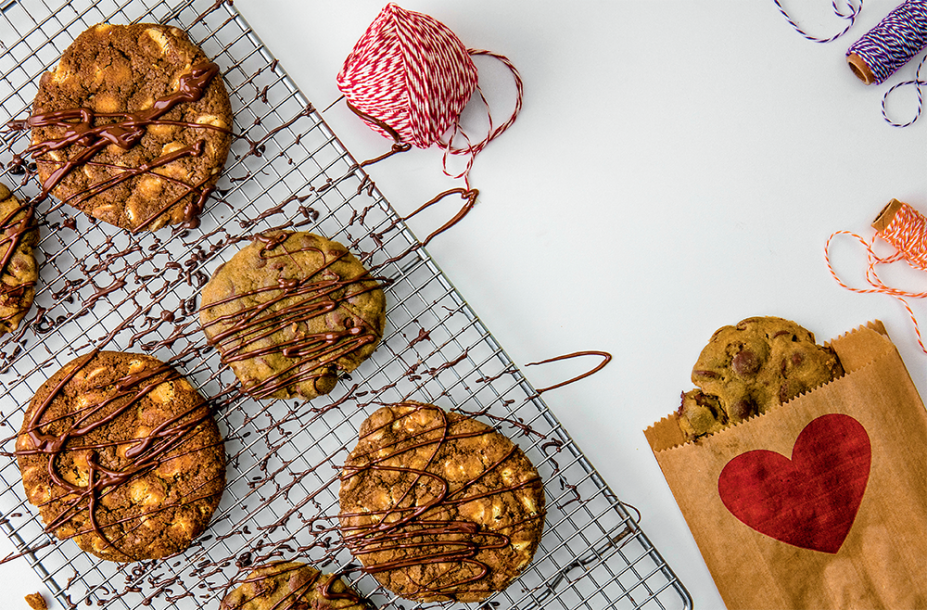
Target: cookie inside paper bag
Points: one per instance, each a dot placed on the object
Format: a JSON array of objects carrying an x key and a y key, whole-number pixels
[{"x": 749, "y": 368}]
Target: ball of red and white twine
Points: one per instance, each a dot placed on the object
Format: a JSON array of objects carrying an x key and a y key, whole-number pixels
[{"x": 410, "y": 77}]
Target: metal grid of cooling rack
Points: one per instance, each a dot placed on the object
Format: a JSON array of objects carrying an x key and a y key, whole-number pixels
[{"x": 288, "y": 170}]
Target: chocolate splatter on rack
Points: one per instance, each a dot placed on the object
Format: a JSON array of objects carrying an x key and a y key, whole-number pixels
[{"x": 104, "y": 288}]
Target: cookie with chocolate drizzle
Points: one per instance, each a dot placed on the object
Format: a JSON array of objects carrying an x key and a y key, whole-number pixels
[
  {"x": 292, "y": 585},
  {"x": 119, "y": 452},
  {"x": 18, "y": 235},
  {"x": 439, "y": 506},
  {"x": 133, "y": 127},
  {"x": 290, "y": 312}
]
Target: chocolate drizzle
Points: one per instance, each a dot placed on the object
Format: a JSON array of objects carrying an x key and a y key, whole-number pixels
[
  {"x": 606, "y": 358},
  {"x": 160, "y": 311},
  {"x": 398, "y": 145},
  {"x": 469, "y": 196}
]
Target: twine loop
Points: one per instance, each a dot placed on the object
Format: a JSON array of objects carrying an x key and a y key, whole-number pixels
[{"x": 918, "y": 83}]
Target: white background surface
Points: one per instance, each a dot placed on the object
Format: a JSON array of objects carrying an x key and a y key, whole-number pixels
[{"x": 676, "y": 167}]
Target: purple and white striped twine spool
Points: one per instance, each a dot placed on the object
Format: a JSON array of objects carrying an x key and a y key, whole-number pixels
[
  {"x": 894, "y": 41},
  {"x": 890, "y": 45}
]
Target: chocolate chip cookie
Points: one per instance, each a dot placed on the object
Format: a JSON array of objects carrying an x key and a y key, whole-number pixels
[
  {"x": 121, "y": 454},
  {"x": 751, "y": 367},
  {"x": 291, "y": 312},
  {"x": 19, "y": 269},
  {"x": 133, "y": 126},
  {"x": 291, "y": 585},
  {"x": 439, "y": 506}
]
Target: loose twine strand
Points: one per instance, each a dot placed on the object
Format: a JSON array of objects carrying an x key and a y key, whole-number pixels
[
  {"x": 471, "y": 150},
  {"x": 907, "y": 233},
  {"x": 918, "y": 83},
  {"x": 850, "y": 14}
]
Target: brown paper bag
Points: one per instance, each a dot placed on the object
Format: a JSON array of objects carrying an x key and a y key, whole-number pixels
[{"x": 820, "y": 502}]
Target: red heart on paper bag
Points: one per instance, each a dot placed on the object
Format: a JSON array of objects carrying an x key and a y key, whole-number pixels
[{"x": 811, "y": 500}]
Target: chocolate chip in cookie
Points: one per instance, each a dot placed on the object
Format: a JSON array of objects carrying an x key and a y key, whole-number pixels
[{"x": 700, "y": 414}]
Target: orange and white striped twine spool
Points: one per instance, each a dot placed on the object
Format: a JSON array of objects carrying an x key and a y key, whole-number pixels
[{"x": 904, "y": 228}]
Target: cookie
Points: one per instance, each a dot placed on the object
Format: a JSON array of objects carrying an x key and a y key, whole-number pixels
[
  {"x": 19, "y": 270},
  {"x": 291, "y": 585},
  {"x": 120, "y": 453},
  {"x": 290, "y": 312},
  {"x": 438, "y": 506},
  {"x": 133, "y": 127},
  {"x": 749, "y": 368}
]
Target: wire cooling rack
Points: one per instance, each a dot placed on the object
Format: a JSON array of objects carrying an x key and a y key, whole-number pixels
[{"x": 287, "y": 170}]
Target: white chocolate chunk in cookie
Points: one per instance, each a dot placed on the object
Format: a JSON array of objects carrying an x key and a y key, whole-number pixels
[
  {"x": 105, "y": 102},
  {"x": 160, "y": 39},
  {"x": 163, "y": 392},
  {"x": 210, "y": 119}
]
